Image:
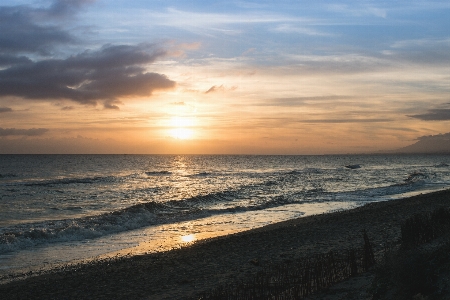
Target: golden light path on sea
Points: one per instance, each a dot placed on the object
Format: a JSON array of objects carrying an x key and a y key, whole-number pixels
[{"x": 188, "y": 238}]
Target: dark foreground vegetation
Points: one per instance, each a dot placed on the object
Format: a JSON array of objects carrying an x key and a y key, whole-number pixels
[
  {"x": 419, "y": 268},
  {"x": 411, "y": 268},
  {"x": 294, "y": 280}
]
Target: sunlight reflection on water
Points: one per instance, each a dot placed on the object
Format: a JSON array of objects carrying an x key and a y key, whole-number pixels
[{"x": 188, "y": 238}]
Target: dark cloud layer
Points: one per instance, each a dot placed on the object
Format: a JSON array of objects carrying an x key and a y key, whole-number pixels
[
  {"x": 37, "y": 30},
  {"x": 105, "y": 75},
  {"x": 24, "y": 132},
  {"x": 8, "y": 60},
  {"x": 19, "y": 33},
  {"x": 63, "y": 8},
  {"x": 434, "y": 115}
]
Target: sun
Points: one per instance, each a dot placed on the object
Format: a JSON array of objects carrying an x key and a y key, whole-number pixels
[
  {"x": 181, "y": 133},
  {"x": 181, "y": 128}
]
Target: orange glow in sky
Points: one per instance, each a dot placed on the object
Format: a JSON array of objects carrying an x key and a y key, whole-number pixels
[
  {"x": 222, "y": 78},
  {"x": 181, "y": 128}
]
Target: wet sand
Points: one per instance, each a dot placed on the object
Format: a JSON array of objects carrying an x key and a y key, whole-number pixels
[{"x": 182, "y": 273}]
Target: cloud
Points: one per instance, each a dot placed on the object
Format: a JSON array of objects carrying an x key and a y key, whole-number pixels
[
  {"x": 338, "y": 63},
  {"x": 249, "y": 52},
  {"x": 5, "y": 109},
  {"x": 213, "y": 89},
  {"x": 434, "y": 115},
  {"x": 174, "y": 17},
  {"x": 24, "y": 132},
  {"x": 358, "y": 10},
  {"x": 8, "y": 60},
  {"x": 107, "y": 74},
  {"x": 62, "y": 8},
  {"x": 207, "y": 22},
  {"x": 288, "y": 28},
  {"x": 339, "y": 121},
  {"x": 110, "y": 73},
  {"x": 110, "y": 106},
  {"x": 421, "y": 51},
  {"x": 301, "y": 101},
  {"x": 219, "y": 88},
  {"x": 20, "y": 32}
]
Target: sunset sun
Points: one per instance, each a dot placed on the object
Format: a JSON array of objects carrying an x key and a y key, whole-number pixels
[{"x": 181, "y": 128}]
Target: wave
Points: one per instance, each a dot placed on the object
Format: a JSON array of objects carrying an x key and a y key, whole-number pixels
[
  {"x": 158, "y": 173},
  {"x": 129, "y": 218},
  {"x": 416, "y": 177},
  {"x": 415, "y": 181},
  {"x": 133, "y": 217},
  {"x": 206, "y": 199},
  {"x": 201, "y": 174},
  {"x": 308, "y": 170},
  {"x": 28, "y": 235},
  {"x": 66, "y": 181},
  {"x": 441, "y": 165},
  {"x": 293, "y": 172},
  {"x": 313, "y": 170},
  {"x": 273, "y": 189}
]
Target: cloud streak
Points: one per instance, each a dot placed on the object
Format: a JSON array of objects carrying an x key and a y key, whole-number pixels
[
  {"x": 421, "y": 51},
  {"x": 434, "y": 115},
  {"x": 359, "y": 10},
  {"x": 23, "y": 132},
  {"x": 179, "y": 18},
  {"x": 5, "y": 109}
]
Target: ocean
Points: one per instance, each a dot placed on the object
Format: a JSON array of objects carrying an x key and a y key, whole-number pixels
[{"x": 57, "y": 209}]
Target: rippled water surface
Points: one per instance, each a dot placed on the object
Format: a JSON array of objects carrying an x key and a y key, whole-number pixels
[{"x": 73, "y": 204}]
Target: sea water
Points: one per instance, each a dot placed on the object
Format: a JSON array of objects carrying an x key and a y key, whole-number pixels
[{"x": 63, "y": 208}]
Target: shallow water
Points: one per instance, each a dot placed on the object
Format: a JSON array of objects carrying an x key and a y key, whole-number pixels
[{"x": 61, "y": 208}]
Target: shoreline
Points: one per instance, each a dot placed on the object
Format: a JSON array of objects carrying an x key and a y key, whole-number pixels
[{"x": 212, "y": 262}]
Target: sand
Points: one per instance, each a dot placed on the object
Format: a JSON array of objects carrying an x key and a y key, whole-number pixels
[{"x": 184, "y": 272}]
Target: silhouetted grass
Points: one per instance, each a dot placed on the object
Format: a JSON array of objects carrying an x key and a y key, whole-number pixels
[
  {"x": 423, "y": 228},
  {"x": 403, "y": 274},
  {"x": 418, "y": 273},
  {"x": 300, "y": 278},
  {"x": 412, "y": 272}
]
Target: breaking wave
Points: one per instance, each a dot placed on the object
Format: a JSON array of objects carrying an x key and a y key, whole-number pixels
[
  {"x": 158, "y": 173},
  {"x": 66, "y": 181}
]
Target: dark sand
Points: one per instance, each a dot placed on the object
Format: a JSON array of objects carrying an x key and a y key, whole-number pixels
[{"x": 184, "y": 272}]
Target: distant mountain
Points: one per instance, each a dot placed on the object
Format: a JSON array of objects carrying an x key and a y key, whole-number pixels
[{"x": 429, "y": 144}]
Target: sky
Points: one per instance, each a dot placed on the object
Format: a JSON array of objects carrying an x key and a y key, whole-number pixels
[{"x": 222, "y": 77}]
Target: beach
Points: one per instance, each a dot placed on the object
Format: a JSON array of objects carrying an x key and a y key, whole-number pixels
[{"x": 187, "y": 271}]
